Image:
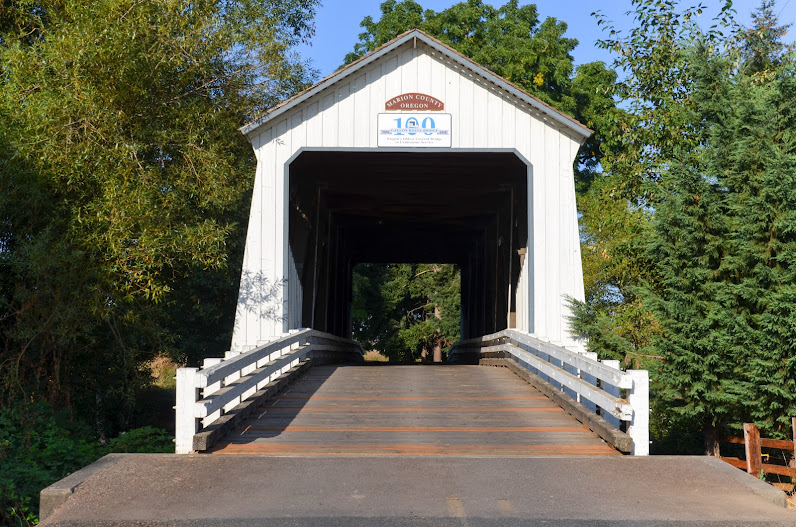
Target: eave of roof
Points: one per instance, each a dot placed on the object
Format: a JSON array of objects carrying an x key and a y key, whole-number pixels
[{"x": 558, "y": 116}]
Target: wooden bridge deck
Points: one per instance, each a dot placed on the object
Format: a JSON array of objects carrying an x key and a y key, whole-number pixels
[{"x": 413, "y": 410}]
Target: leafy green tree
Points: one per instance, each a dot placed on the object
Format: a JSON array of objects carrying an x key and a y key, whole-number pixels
[
  {"x": 659, "y": 126},
  {"x": 124, "y": 182},
  {"x": 512, "y": 42},
  {"x": 124, "y": 188},
  {"x": 535, "y": 55},
  {"x": 407, "y": 312}
]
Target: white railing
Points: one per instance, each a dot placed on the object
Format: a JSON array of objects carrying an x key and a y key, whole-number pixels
[
  {"x": 620, "y": 398},
  {"x": 204, "y": 395}
]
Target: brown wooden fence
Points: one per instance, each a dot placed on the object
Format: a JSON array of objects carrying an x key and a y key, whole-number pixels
[{"x": 753, "y": 444}]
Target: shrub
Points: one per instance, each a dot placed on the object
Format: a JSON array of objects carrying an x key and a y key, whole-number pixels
[{"x": 147, "y": 439}]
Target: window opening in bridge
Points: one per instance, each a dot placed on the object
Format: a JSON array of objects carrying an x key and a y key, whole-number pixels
[{"x": 406, "y": 312}]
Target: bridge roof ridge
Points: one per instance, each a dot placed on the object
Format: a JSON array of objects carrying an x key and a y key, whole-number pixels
[{"x": 558, "y": 116}]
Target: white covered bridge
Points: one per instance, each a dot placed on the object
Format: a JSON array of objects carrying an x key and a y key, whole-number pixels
[{"x": 414, "y": 153}]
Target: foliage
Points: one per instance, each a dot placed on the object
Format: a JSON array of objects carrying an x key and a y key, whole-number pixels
[
  {"x": 696, "y": 240},
  {"x": 719, "y": 248},
  {"x": 755, "y": 149},
  {"x": 726, "y": 301},
  {"x": 406, "y": 311},
  {"x": 512, "y": 42},
  {"x": 616, "y": 209},
  {"x": 39, "y": 447},
  {"x": 124, "y": 189},
  {"x": 125, "y": 183},
  {"x": 36, "y": 451},
  {"x": 762, "y": 48},
  {"x": 143, "y": 440}
]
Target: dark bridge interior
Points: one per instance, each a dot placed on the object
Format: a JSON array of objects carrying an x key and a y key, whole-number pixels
[{"x": 468, "y": 209}]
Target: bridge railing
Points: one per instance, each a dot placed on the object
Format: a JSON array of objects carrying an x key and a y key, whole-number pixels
[
  {"x": 612, "y": 402},
  {"x": 223, "y": 385}
]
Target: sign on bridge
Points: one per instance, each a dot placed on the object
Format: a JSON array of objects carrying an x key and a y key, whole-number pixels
[{"x": 414, "y": 130}]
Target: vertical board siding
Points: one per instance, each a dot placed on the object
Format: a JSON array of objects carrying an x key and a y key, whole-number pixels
[
  {"x": 284, "y": 150},
  {"x": 423, "y": 82},
  {"x": 484, "y": 117},
  {"x": 361, "y": 96},
  {"x": 480, "y": 114},
  {"x": 451, "y": 90},
  {"x": 463, "y": 123},
  {"x": 408, "y": 71},
  {"x": 553, "y": 239},
  {"x": 376, "y": 91},
  {"x": 345, "y": 116},
  {"x": 494, "y": 120}
]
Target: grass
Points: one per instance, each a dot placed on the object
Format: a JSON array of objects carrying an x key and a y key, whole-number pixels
[{"x": 375, "y": 356}]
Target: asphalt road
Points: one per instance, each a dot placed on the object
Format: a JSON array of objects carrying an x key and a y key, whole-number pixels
[{"x": 202, "y": 490}]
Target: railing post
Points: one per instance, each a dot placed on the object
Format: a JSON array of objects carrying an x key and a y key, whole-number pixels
[
  {"x": 212, "y": 361},
  {"x": 639, "y": 399},
  {"x": 793, "y": 425},
  {"x": 613, "y": 390},
  {"x": 754, "y": 457},
  {"x": 186, "y": 424},
  {"x": 591, "y": 379}
]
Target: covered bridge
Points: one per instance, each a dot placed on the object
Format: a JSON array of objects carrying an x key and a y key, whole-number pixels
[{"x": 414, "y": 153}]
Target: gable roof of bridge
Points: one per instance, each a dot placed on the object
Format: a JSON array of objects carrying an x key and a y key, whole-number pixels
[{"x": 557, "y": 116}]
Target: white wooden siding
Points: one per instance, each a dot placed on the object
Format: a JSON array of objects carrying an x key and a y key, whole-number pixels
[{"x": 483, "y": 116}]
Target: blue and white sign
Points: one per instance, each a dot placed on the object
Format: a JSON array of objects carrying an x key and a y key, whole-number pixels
[{"x": 414, "y": 129}]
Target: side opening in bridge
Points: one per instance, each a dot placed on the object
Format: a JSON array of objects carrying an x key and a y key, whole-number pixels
[{"x": 468, "y": 209}]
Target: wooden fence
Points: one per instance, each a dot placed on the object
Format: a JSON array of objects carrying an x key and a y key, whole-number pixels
[{"x": 753, "y": 445}]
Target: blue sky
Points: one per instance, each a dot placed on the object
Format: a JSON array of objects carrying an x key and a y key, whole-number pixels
[{"x": 337, "y": 24}]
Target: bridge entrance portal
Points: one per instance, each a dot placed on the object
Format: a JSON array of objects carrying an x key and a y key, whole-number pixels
[
  {"x": 465, "y": 208},
  {"x": 412, "y": 154}
]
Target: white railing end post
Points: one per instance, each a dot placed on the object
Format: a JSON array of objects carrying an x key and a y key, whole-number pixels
[
  {"x": 186, "y": 424},
  {"x": 639, "y": 399}
]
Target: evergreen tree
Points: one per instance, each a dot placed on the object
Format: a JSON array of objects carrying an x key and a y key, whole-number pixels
[
  {"x": 762, "y": 48},
  {"x": 755, "y": 150},
  {"x": 699, "y": 376},
  {"x": 725, "y": 259}
]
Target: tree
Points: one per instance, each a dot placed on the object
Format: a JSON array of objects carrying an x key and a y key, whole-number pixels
[
  {"x": 755, "y": 151},
  {"x": 124, "y": 179},
  {"x": 124, "y": 189},
  {"x": 762, "y": 48},
  {"x": 535, "y": 55},
  {"x": 657, "y": 128},
  {"x": 408, "y": 312},
  {"x": 698, "y": 376},
  {"x": 719, "y": 239},
  {"x": 511, "y": 42}
]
